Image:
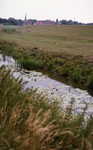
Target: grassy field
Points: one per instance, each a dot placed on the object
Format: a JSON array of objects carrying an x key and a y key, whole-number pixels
[
  {"x": 71, "y": 39},
  {"x": 66, "y": 50}
]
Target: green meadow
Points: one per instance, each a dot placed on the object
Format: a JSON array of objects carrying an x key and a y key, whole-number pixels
[{"x": 30, "y": 121}]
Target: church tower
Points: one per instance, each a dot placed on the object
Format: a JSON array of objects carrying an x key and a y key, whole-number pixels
[{"x": 25, "y": 21}]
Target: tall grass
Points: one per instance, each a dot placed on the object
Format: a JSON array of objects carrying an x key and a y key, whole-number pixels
[
  {"x": 30, "y": 121},
  {"x": 30, "y": 63}
]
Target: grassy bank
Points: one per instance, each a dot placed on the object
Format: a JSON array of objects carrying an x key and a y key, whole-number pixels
[
  {"x": 77, "y": 67},
  {"x": 66, "y": 50},
  {"x": 30, "y": 121}
]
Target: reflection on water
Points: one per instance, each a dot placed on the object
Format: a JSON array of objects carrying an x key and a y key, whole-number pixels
[
  {"x": 69, "y": 81},
  {"x": 6, "y": 60},
  {"x": 53, "y": 86}
]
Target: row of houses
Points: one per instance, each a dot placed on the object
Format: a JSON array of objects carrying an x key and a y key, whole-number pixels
[
  {"x": 40, "y": 22},
  {"x": 46, "y": 22}
]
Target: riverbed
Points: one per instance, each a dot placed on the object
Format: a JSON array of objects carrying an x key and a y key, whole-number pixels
[{"x": 51, "y": 88}]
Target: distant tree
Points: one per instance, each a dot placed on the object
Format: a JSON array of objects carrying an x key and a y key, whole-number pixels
[
  {"x": 12, "y": 21},
  {"x": 75, "y": 23},
  {"x": 20, "y": 22},
  {"x": 56, "y": 20},
  {"x": 15, "y": 21},
  {"x": 70, "y": 22},
  {"x": 3, "y": 21},
  {"x": 89, "y": 23},
  {"x": 65, "y": 22}
]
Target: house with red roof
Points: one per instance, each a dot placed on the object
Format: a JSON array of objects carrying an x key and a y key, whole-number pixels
[{"x": 46, "y": 22}]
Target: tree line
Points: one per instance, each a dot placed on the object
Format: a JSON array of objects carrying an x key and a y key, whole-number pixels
[
  {"x": 11, "y": 21},
  {"x": 70, "y": 22}
]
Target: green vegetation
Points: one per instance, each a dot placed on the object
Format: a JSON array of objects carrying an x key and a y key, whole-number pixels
[
  {"x": 30, "y": 121},
  {"x": 11, "y": 21},
  {"x": 9, "y": 29},
  {"x": 30, "y": 64}
]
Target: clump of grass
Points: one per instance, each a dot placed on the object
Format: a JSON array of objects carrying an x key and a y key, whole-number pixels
[
  {"x": 50, "y": 66},
  {"x": 30, "y": 63},
  {"x": 30, "y": 121},
  {"x": 77, "y": 74},
  {"x": 9, "y": 29}
]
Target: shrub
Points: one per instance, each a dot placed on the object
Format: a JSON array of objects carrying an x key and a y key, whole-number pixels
[
  {"x": 9, "y": 29},
  {"x": 30, "y": 64}
]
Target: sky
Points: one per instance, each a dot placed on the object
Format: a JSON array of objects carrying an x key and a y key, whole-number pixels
[{"x": 76, "y": 10}]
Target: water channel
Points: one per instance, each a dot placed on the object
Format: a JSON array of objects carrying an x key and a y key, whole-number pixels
[{"x": 53, "y": 86}]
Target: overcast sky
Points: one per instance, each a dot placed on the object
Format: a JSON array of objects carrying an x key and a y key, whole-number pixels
[{"x": 78, "y": 10}]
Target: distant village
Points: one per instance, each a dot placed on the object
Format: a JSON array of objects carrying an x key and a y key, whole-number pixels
[
  {"x": 37, "y": 22},
  {"x": 13, "y": 21},
  {"x": 40, "y": 22}
]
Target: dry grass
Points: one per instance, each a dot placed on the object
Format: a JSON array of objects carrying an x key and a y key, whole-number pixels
[{"x": 29, "y": 122}]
